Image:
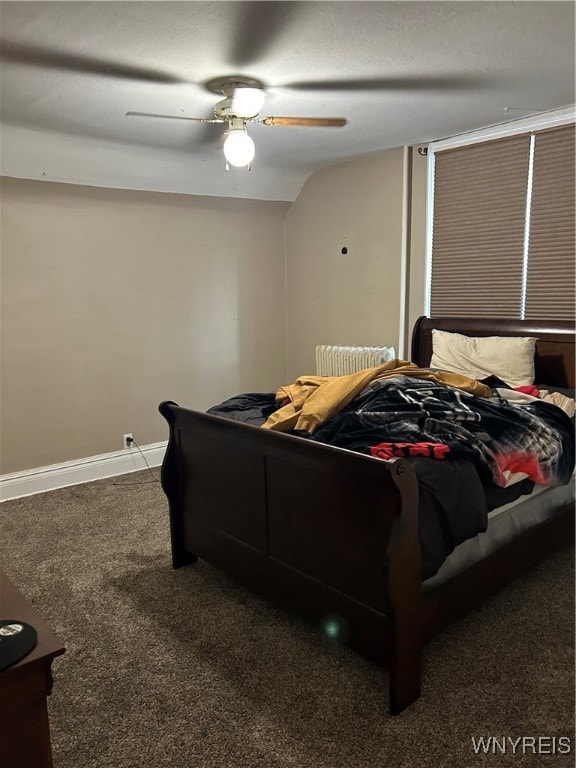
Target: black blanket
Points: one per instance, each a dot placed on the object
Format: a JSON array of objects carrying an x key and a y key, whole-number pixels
[{"x": 536, "y": 439}]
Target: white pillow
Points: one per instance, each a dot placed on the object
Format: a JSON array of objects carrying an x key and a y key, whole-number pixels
[{"x": 511, "y": 358}]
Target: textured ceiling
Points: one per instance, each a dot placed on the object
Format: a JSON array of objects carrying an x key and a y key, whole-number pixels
[{"x": 401, "y": 72}]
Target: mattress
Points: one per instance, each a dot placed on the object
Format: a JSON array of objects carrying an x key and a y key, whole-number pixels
[{"x": 504, "y": 524}]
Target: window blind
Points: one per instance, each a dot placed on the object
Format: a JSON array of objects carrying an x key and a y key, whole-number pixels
[
  {"x": 550, "y": 281},
  {"x": 478, "y": 228},
  {"x": 503, "y": 229}
]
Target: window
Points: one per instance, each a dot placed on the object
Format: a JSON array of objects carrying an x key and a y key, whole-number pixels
[
  {"x": 502, "y": 234},
  {"x": 550, "y": 276}
]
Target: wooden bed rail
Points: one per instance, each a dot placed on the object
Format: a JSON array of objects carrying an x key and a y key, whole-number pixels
[
  {"x": 324, "y": 531},
  {"x": 554, "y": 359},
  {"x": 404, "y": 562}
]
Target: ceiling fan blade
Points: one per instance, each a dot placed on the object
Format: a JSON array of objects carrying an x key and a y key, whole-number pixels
[
  {"x": 207, "y": 137},
  {"x": 401, "y": 83},
  {"x": 210, "y": 138},
  {"x": 174, "y": 117},
  {"x": 36, "y": 56},
  {"x": 258, "y": 25},
  {"x": 307, "y": 122}
]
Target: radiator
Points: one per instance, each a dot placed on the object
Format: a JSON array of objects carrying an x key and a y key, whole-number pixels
[{"x": 334, "y": 360}]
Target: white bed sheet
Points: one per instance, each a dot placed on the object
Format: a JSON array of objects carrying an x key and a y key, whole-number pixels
[{"x": 504, "y": 524}]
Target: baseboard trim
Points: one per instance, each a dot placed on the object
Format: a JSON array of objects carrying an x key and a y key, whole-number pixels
[{"x": 41, "y": 479}]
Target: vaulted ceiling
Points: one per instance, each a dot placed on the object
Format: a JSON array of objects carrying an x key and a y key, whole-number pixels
[{"x": 400, "y": 72}]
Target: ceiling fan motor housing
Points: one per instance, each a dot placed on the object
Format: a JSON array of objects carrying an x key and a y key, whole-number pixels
[{"x": 223, "y": 109}]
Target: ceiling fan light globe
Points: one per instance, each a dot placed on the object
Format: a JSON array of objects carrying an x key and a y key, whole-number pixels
[
  {"x": 247, "y": 102},
  {"x": 239, "y": 148}
]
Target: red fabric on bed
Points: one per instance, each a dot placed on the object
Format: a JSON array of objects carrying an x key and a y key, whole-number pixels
[
  {"x": 524, "y": 463},
  {"x": 528, "y": 389},
  {"x": 395, "y": 450}
]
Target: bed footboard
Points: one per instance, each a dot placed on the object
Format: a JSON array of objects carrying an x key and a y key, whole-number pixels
[{"x": 329, "y": 533}]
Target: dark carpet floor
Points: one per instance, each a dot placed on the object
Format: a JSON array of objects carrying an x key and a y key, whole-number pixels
[{"x": 175, "y": 669}]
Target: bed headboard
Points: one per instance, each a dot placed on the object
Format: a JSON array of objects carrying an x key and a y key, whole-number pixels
[{"x": 554, "y": 361}]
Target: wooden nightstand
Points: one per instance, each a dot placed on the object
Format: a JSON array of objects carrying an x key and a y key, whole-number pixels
[{"x": 24, "y": 727}]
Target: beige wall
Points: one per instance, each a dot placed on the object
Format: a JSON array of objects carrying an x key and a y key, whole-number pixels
[
  {"x": 355, "y": 298},
  {"x": 114, "y": 300}
]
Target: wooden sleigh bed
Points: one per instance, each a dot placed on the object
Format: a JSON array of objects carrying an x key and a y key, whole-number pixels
[{"x": 331, "y": 534}]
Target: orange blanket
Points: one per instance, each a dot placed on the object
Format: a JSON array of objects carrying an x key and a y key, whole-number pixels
[{"x": 311, "y": 400}]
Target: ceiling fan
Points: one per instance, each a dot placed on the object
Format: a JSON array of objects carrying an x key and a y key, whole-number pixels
[{"x": 243, "y": 99}]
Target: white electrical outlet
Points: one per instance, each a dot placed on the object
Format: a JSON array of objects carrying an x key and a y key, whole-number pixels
[{"x": 128, "y": 441}]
